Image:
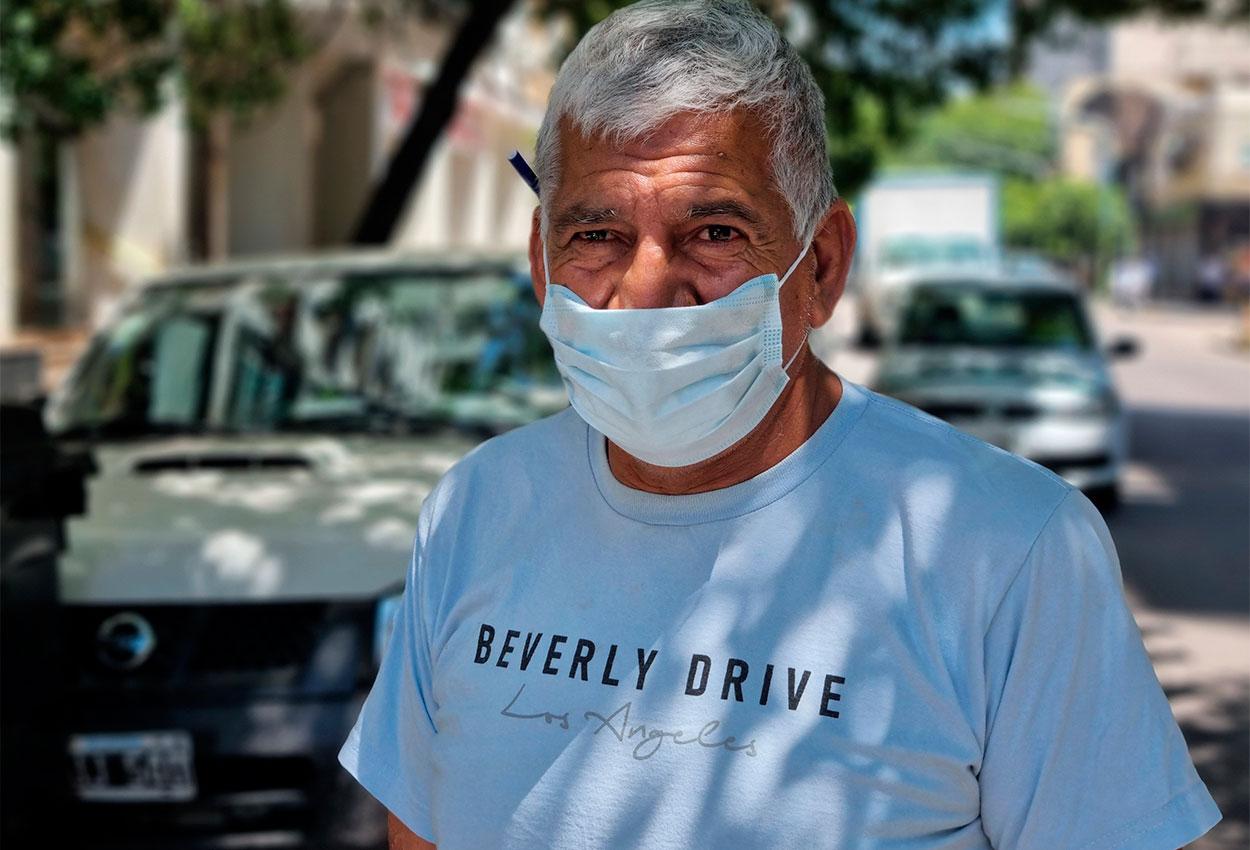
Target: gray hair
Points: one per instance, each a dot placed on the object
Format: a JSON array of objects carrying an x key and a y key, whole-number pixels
[{"x": 650, "y": 61}]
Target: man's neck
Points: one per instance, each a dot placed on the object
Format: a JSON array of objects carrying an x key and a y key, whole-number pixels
[{"x": 811, "y": 395}]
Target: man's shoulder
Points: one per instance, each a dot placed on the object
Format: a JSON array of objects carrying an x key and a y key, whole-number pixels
[
  {"x": 970, "y": 513},
  {"x": 536, "y": 441},
  {"x": 515, "y": 465},
  {"x": 924, "y": 460}
]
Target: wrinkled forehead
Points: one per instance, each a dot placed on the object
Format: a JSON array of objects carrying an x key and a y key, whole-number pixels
[{"x": 720, "y": 154}]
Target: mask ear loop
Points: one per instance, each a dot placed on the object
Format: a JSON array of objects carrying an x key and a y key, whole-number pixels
[
  {"x": 794, "y": 265},
  {"x": 546, "y": 264},
  {"x": 797, "y": 352},
  {"x": 806, "y": 333}
]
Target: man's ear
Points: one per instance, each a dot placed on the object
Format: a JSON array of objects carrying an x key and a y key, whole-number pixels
[
  {"x": 834, "y": 246},
  {"x": 538, "y": 276}
]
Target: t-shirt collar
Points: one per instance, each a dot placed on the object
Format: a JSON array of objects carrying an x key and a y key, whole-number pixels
[{"x": 742, "y": 498}]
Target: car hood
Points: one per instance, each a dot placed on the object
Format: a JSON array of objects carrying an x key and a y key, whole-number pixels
[
  {"x": 239, "y": 519},
  {"x": 911, "y": 370}
]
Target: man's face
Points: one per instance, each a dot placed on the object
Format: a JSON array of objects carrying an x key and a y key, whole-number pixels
[{"x": 681, "y": 218}]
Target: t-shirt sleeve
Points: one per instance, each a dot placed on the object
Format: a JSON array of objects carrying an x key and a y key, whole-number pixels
[
  {"x": 1082, "y": 751},
  {"x": 388, "y": 750}
]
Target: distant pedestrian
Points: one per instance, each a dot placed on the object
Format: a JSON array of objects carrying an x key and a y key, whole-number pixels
[
  {"x": 1132, "y": 280},
  {"x": 1211, "y": 278}
]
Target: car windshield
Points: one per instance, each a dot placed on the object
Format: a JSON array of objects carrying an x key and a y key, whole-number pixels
[
  {"x": 982, "y": 317},
  {"x": 386, "y": 351}
]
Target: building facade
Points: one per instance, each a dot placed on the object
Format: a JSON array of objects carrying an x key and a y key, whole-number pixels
[
  {"x": 1168, "y": 119},
  {"x": 83, "y": 221}
]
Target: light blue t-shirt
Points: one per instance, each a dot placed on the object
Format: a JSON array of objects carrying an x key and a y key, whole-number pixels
[{"x": 898, "y": 637}]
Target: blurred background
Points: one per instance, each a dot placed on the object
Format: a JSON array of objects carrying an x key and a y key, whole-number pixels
[{"x": 262, "y": 280}]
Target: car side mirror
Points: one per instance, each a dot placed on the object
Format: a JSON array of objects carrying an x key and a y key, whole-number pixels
[{"x": 1125, "y": 346}]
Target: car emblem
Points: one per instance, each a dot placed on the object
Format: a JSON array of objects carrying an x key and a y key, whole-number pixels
[{"x": 124, "y": 641}]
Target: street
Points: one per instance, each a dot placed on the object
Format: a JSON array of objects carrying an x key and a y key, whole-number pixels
[{"x": 1183, "y": 530}]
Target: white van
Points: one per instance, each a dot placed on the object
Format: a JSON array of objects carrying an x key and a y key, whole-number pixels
[{"x": 915, "y": 223}]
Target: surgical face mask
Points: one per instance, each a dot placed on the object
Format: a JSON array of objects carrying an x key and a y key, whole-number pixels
[{"x": 672, "y": 386}]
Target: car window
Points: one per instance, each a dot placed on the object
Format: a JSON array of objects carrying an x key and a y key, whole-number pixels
[
  {"x": 386, "y": 350},
  {"x": 180, "y": 368},
  {"x": 149, "y": 370},
  {"x": 979, "y": 316}
]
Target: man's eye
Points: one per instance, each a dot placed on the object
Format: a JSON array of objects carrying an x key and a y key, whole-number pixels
[
  {"x": 719, "y": 233},
  {"x": 592, "y": 236}
]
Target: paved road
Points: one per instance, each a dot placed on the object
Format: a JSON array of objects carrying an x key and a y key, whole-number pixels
[{"x": 1183, "y": 532}]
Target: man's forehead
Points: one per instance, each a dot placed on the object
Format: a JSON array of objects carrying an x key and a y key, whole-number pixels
[
  {"x": 698, "y": 165},
  {"x": 725, "y": 140}
]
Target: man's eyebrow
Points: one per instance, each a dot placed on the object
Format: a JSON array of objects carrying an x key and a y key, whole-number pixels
[
  {"x": 583, "y": 214},
  {"x": 714, "y": 209}
]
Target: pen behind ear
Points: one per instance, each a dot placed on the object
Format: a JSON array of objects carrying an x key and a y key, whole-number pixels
[{"x": 523, "y": 168}]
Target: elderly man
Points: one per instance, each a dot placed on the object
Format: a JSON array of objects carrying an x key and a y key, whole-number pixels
[{"x": 730, "y": 599}]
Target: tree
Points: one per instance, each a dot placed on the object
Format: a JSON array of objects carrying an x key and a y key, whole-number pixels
[
  {"x": 1011, "y": 132},
  {"x": 884, "y": 63},
  {"x": 878, "y": 63},
  {"x": 1077, "y": 224},
  {"x": 67, "y": 64},
  {"x": 387, "y": 200}
]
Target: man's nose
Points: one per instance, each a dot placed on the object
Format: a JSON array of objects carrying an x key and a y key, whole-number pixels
[{"x": 649, "y": 281}]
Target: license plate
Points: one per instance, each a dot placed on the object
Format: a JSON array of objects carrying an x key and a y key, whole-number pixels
[{"x": 137, "y": 767}]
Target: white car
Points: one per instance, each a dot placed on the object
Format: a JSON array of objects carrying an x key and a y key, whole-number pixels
[
  {"x": 265, "y": 433},
  {"x": 1014, "y": 361}
]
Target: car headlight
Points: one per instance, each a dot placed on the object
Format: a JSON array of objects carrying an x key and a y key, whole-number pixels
[
  {"x": 1104, "y": 403},
  {"x": 384, "y": 623}
]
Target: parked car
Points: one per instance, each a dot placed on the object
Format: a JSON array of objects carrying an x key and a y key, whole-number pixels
[
  {"x": 1014, "y": 361},
  {"x": 265, "y": 433}
]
